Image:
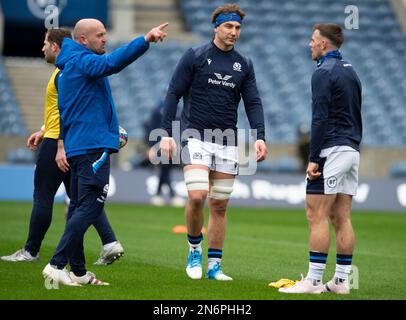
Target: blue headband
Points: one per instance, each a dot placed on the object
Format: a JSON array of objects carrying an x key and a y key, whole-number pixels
[{"x": 224, "y": 17}]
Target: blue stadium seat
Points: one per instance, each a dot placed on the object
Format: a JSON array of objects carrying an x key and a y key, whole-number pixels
[
  {"x": 20, "y": 155},
  {"x": 11, "y": 122},
  {"x": 398, "y": 169}
]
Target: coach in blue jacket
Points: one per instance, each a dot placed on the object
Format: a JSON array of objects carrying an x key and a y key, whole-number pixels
[{"x": 89, "y": 128}]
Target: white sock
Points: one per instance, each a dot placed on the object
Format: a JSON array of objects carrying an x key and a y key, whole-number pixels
[
  {"x": 212, "y": 262},
  {"x": 197, "y": 247},
  {"x": 316, "y": 271},
  {"x": 110, "y": 245},
  {"x": 342, "y": 271}
]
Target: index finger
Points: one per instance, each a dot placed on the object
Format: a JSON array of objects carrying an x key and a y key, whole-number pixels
[{"x": 164, "y": 25}]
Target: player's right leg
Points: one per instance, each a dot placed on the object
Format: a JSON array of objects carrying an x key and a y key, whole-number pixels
[
  {"x": 55, "y": 269},
  {"x": 318, "y": 206},
  {"x": 47, "y": 179},
  {"x": 324, "y": 199},
  {"x": 90, "y": 176},
  {"x": 197, "y": 184},
  {"x": 112, "y": 249}
]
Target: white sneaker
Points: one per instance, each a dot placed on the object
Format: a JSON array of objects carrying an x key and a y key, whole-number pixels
[
  {"x": 336, "y": 287},
  {"x": 88, "y": 278},
  {"x": 59, "y": 276},
  {"x": 158, "y": 201},
  {"x": 216, "y": 273},
  {"x": 111, "y": 255},
  {"x": 305, "y": 285},
  {"x": 20, "y": 255},
  {"x": 194, "y": 265},
  {"x": 178, "y": 201}
]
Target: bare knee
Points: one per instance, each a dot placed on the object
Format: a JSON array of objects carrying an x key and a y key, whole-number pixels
[
  {"x": 333, "y": 220},
  {"x": 218, "y": 206},
  {"x": 312, "y": 217},
  {"x": 311, "y": 212},
  {"x": 196, "y": 200},
  {"x": 318, "y": 208},
  {"x": 340, "y": 213},
  {"x": 315, "y": 216},
  {"x": 339, "y": 222}
]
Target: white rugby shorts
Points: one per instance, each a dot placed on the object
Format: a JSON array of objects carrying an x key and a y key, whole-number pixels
[
  {"x": 216, "y": 157},
  {"x": 339, "y": 172}
]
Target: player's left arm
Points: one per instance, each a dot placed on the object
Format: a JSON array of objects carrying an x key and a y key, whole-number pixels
[
  {"x": 255, "y": 111},
  {"x": 321, "y": 99}
]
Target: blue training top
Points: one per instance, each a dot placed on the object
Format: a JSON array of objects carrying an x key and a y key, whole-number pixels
[
  {"x": 336, "y": 107},
  {"x": 87, "y": 111},
  {"x": 212, "y": 82}
]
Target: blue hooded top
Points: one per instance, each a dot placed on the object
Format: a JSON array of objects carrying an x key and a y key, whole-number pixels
[
  {"x": 87, "y": 112},
  {"x": 336, "y": 106}
]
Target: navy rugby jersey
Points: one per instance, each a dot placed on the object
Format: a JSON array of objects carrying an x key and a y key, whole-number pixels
[
  {"x": 212, "y": 82},
  {"x": 336, "y": 107}
]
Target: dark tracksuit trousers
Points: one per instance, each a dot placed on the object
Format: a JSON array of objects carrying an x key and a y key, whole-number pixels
[
  {"x": 89, "y": 187},
  {"x": 165, "y": 179},
  {"x": 47, "y": 179}
]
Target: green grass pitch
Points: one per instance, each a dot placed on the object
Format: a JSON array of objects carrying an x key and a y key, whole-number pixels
[{"x": 262, "y": 245}]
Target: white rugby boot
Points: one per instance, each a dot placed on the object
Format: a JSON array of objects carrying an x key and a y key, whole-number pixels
[
  {"x": 335, "y": 286},
  {"x": 88, "y": 278},
  {"x": 59, "y": 276},
  {"x": 109, "y": 256},
  {"x": 305, "y": 285},
  {"x": 216, "y": 273},
  {"x": 194, "y": 264},
  {"x": 19, "y": 256}
]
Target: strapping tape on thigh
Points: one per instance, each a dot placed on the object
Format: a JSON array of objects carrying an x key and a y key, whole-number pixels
[
  {"x": 197, "y": 179},
  {"x": 221, "y": 189}
]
